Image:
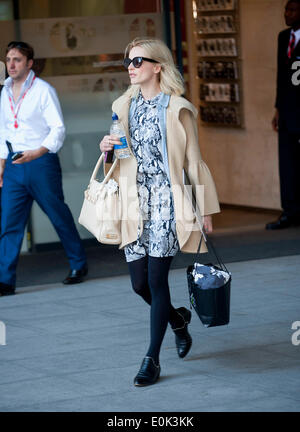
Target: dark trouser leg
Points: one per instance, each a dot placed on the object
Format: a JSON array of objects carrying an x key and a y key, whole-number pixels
[
  {"x": 46, "y": 188},
  {"x": 16, "y": 204},
  {"x": 289, "y": 160}
]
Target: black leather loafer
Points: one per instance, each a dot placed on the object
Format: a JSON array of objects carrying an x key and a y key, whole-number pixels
[
  {"x": 6, "y": 289},
  {"x": 282, "y": 222},
  {"x": 183, "y": 339},
  {"x": 75, "y": 276},
  {"x": 148, "y": 374}
]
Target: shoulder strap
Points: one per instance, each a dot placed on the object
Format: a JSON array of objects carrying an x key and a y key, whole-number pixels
[
  {"x": 96, "y": 169},
  {"x": 204, "y": 236}
]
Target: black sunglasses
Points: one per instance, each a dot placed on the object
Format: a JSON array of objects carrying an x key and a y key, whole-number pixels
[{"x": 137, "y": 61}]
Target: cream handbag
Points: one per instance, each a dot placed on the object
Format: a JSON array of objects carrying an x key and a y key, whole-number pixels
[{"x": 101, "y": 210}]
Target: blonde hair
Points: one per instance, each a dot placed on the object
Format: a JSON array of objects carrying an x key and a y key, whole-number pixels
[{"x": 170, "y": 79}]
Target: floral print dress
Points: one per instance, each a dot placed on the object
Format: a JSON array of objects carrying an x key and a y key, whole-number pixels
[{"x": 158, "y": 237}]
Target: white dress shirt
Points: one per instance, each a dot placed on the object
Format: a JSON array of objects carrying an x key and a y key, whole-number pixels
[{"x": 40, "y": 120}]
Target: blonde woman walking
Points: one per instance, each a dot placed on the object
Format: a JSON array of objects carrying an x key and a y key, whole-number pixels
[{"x": 161, "y": 132}]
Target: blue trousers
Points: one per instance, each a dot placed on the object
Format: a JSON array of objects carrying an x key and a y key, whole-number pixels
[{"x": 38, "y": 180}]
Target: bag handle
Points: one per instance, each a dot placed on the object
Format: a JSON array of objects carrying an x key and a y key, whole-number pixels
[
  {"x": 210, "y": 247},
  {"x": 203, "y": 233},
  {"x": 96, "y": 169}
]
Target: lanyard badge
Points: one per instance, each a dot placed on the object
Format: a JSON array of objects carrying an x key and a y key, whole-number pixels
[{"x": 15, "y": 113}]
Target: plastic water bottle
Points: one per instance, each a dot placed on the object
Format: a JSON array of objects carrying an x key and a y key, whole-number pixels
[{"x": 121, "y": 151}]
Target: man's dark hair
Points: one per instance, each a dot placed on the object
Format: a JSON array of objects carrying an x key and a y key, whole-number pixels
[{"x": 23, "y": 47}]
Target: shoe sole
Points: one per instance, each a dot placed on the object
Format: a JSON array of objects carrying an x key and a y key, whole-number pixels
[
  {"x": 146, "y": 385},
  {"x": 72, "y": 283}
]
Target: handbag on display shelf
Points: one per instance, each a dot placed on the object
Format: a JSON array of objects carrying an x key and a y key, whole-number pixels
[{"x": 101, "y": 210}]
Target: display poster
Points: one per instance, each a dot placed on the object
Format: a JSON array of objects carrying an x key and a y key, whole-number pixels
[
  {"x": 90, "y": 83},
  {"x": 83, "y": 36}
]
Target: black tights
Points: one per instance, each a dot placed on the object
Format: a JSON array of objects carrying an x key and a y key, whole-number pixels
[{"x": 149, "y": 278}]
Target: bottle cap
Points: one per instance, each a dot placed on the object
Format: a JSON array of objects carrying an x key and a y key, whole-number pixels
[{"x": 114, "y": 116}]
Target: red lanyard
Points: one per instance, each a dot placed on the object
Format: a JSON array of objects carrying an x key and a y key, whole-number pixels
[{"x": 15, "y": 114}]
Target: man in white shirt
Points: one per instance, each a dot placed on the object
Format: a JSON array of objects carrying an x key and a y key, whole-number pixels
[{"x": 31, "y": 133}]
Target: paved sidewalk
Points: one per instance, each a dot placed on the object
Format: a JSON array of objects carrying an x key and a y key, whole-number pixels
[{"x": 78, "y": 348}]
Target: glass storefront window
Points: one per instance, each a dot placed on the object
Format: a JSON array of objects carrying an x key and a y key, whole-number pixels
[
  {"x": 79, "y": 47},
  {"x": 6, "y": 10}
]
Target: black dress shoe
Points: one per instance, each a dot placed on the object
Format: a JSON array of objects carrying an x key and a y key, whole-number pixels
[
  {"x": 282, "y": 222},
  {"x": 148, "y": 373},
  {"x": 6, "y": 289},
  {"x": 183, "y": 339},
  {"x": 75, "y": 276}
]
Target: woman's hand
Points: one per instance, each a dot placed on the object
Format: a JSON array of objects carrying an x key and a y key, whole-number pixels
[
  {"x": 207, "y": 224},
  {"x": 108, "y": 142}
]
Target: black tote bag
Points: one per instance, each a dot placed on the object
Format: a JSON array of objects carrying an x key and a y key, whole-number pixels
[
  {"x": 209, "y": 297},
  {"x": 209, "y": 294}
]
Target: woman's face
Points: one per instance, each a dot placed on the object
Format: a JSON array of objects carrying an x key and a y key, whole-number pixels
[{"x": 148, "y": 72}]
